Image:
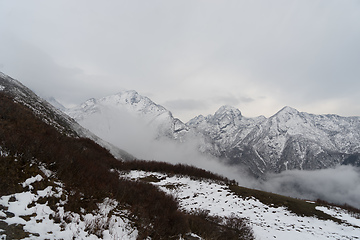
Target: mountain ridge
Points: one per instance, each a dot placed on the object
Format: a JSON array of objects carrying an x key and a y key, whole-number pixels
[
  {"x": 290, "y": 134},
  {"x": 264, "y": 145},
  {"x": 52, "y": 115}
]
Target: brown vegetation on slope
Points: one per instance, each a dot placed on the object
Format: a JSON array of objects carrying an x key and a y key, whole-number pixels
[{"x": 84, "y": 167}]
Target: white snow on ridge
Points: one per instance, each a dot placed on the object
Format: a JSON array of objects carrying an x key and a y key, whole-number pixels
[
  {"x": 267, "y": 222},
  {"x": 38, "y": 219}
]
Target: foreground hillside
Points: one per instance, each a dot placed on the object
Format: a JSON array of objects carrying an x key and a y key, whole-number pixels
[
  {"x": 55, "y": 185},
  {"x": 270, "y": 216},
  {"x": 50, "y": 177}
]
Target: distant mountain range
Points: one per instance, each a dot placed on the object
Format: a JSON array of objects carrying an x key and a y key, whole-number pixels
[{"x": 287, "y": 140}]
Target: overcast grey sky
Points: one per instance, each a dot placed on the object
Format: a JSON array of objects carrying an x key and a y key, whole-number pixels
[{"x": 190, "y": 56}]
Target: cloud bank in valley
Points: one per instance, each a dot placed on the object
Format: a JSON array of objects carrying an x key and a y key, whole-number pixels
[
  {"x": 138, "y": 137},
  {"x": 339, "y": 185}
]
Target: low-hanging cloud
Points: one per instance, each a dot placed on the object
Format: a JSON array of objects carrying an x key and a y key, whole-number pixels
[
  {"x": 141, "y": 139},
  {"x": 135, "y": 135},
  {"x": 339, "y": 185}
]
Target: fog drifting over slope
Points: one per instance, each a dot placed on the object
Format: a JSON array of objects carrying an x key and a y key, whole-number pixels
[
  {"x": 136, "y": 136},
  {"x": 337, "y": 185},
  {"x": 340, "y": 185}
]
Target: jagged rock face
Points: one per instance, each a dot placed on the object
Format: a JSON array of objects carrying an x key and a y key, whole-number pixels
[
  {"x": 287, "y": 140},
  {"x": 225, "y": 127}
]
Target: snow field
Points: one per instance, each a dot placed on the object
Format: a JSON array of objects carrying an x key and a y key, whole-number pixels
[{"x": 267, "y": 222}]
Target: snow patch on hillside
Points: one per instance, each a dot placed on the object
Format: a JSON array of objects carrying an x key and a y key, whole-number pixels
[
  {"x": 31, "y": 180},
  {"x": 267, "y": 222},
  {"x": 340, "y": 214},
  {"x": 41, "y": 221}
]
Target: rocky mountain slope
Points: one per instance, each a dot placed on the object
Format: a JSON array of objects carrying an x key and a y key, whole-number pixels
[
  {"x": 51, "y": 115},
  {"x": 287, "y": 140}
]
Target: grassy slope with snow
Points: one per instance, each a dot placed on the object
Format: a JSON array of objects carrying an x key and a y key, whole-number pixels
[
  {"x": 267, "y": 221},
  {"x": 38, "y": 213}
]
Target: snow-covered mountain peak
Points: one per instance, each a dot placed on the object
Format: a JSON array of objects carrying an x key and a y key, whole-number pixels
[
  {"x": 225, "y": 116},
  {"x": 128, "y": 101},
  {"x": 289, "y": 118},
  {"x": 131, "y": 96},
  {"x": 287, "y": 111},
  {"x": 132, "y": 100},
  {"x": 228, "y": 110},
  {"x": 128, "y": 112}
]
